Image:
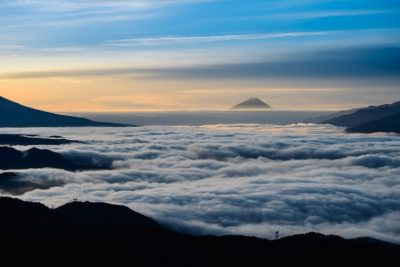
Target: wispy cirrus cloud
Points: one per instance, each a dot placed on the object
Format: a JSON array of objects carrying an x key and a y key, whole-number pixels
[
  {"x": 317, "y": 15},
  {"x": 11, "y": 47},
  {"x": 63, "y": 13},
  {"x": 298, "y": 16},
  {"x": 346, "y": 63},
  {"x": 210, "y": 38},
  {"x": 71, "y": 5},
  {"x": 327, "y": 14}
]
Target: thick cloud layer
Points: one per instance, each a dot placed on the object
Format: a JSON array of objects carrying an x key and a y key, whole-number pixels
[{"x": 237, "y": 179}]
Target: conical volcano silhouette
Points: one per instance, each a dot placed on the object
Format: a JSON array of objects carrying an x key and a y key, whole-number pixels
[{"x": 252, "y": 103}]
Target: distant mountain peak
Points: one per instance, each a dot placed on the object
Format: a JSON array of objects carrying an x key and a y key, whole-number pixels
[{"x": 252, "y": 103}]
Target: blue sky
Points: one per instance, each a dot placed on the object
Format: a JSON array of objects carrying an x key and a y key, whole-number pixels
[{"x": 173, "y": 48}]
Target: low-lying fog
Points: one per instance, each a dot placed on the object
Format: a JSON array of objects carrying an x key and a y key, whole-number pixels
[
  {"x": 196, "y": 118},
  {"x": 236, "y": 179}
]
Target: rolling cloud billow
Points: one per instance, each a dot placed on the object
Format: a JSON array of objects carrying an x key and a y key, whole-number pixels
[{"x": 237, "y": 179}]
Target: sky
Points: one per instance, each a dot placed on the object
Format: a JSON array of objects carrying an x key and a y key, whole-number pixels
[{"x": 125, "y": 55}]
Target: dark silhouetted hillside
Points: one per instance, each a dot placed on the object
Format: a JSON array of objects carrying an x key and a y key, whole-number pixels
[
  {"x": 102, "y": 214},
  {"x": 39, "y": 158},
  {"x": 387, "y": 124},
  {"x": 15, "y": 115},
  {"x": 97, "y": 233},
  {"x": 17, "y": 184},
  {"x": 324, "y": 118},
  {"x": 25, "y": 140},
  {"x": 365, "y": 115}
]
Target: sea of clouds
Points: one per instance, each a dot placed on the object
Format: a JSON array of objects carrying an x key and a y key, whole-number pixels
[{"x": 235, "y": 179}]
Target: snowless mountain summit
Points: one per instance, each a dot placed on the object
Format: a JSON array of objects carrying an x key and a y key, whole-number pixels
[{"x": 252, "y": 103}]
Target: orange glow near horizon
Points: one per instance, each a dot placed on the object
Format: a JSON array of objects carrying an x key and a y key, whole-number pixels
[{"x": 113, "y": 94}]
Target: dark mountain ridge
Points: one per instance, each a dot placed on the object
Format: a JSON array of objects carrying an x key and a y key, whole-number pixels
[
  {"x": 34, "y": 158},
  {"x": 27, "y": 140},
  {"x": 15, "y": 115},
  {"x": 98, "y": 233},
  {"x": 18, "y": 184},
  {"x": 365, "y": 115},
  {"x": 386, "y": 124},
  {"x": 372, "y": 119}
]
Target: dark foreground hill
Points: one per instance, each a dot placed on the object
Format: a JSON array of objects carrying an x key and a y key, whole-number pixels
[
  {"x": 96, "y": 233},
  {"x": 372, "y": 119},
  {"x": 383, "y": 118},
  {"x": 386, "y": 124},
  {"x": 15, "y": 115}
]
